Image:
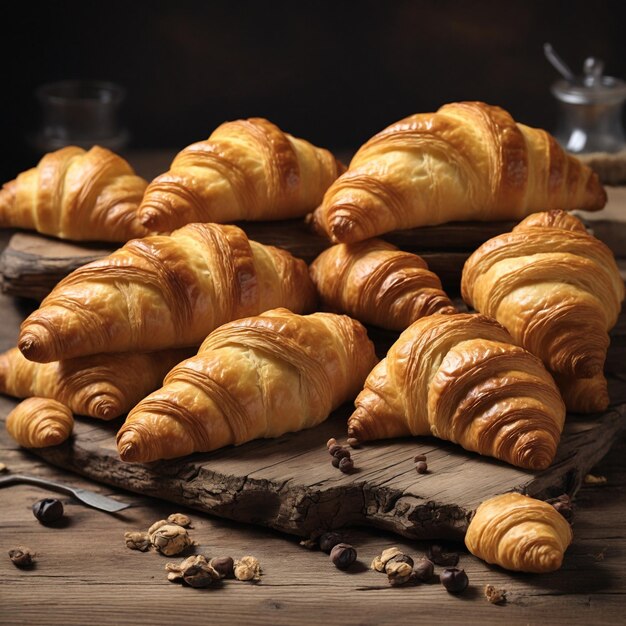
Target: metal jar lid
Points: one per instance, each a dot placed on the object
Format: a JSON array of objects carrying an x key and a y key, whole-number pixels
[{"x": 592, "y": 88}]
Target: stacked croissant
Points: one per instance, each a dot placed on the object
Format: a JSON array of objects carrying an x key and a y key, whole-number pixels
[{"x": 205, "y": 338}]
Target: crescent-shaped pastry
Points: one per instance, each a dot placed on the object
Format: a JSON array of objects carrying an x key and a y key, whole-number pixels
[
  {"x": 252, "y": 378},
  {"x": 467, "y": 161},
  {"x": 519, "y": 533},
  {"x": 378, "y": 284},
  {"x": 461, "y": 378},
  {"x": 162, "y": 292},
  {"x": 39, "y": 423},
  {"x": 104, "y": 386},
  {"x": 76, "y": 194},
  {"x": 246, "y": 170},
  {"x": 557, "y": 290}
]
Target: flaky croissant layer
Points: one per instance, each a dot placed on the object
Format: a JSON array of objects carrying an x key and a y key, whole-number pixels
[
  {"x": 163, "y": 292},
  {"x": 76, "y": 194},
  {"x": 255, "y": 377},
  {"x": 519, "y": 533},
  {"x": 246, "y": 170},
  {"x": 460, "y": 377},
  {"x": 104, "y": 386},
  {"x": 378, "y": 284},
  {"x": 467, "y": 161},
  {"x": 40, "y": 422}
]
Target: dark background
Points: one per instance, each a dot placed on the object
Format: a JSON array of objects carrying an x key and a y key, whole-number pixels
[{"x": 332, "y": 72}]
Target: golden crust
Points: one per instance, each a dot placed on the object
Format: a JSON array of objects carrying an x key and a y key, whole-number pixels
[
  {"x": 519, "y": 533},
  {"x": 39, "y": 423},
  {"x": 555, "y": 288},
  {"x": 467, "y": 161},
  {"x": 162, "y": 292},
  {"x": 255, "y": 377},
  {"x": 460, "y": 377},
  {"x": 103, "y": 386},
  {"x": 246, "y": 170},
  {"x": 378, "y": 284},
  {"x": 76, "y": 194}
]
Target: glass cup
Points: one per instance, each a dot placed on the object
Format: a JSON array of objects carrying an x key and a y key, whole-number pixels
[{"x": 80, "y": 113}]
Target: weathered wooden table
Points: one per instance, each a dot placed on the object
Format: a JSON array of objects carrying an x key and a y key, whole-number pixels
[{"x": 85, "y": 574}]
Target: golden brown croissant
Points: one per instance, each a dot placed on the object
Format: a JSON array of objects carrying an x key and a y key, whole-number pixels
[
  {"x": 246, "y": 170},
  {"x": 100, "y": 385},
  {"x": 555, "y": 288},
  {"x": 163, "y": 292},
  {"x": 73, "y": 194},
  {"x": 460, "y": 377},
  {"x": 40, "y": 422},
  {"x": 584, "y": 395},
  {"x": 253, "y": 378},
  {"x": 519, "y": 533},
  {"x": 378, "y": 284},
  {"x": 467, "y": 161}
]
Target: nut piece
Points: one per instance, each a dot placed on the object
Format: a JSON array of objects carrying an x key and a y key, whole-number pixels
[
  {"x": 3, "y": 468},
  {"x": 329, "y": 540},
  {"x": 170, "y": 539},
  {"x": 424, "y": 570},
  {"x": 331, "y": 442},
  {"x": 180, "y": 519},
  {"x": 421, "y": 467},
  {"x": 398, "y": 572},
  {"x": 48, "y": 510},
  {"x": 353, "y": 442},
  {"x": 247, "y": 568},
  {"x": 381, "y": 560},
  {"x": 193, "y": 571},
  {"x": 419, "y": 457},
  {"x": 22, "y": 556},
  {"x": 156, "y": 526},
  {"x": 136, "y": 540},
  {"x": 454, "y": 579},
  {"x": 343, "y": 555},
  {"x": 399, "y": 558},
  {"x": 224, "y": 566},
  {"x": 495, "y": 596}
]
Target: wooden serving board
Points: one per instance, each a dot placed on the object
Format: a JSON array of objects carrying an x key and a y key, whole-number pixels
[
  {"x": 290, "y": 485},
  {"x": 32, "y": 264}
]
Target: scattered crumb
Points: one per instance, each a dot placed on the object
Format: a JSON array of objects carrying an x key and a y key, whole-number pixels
[
  {"x": 600, "y": 555},
  {"x": 3, "y": 468},
  {"x": 494, "y": 595},
  {"x": 590, "y": 479},
  {"x": 309, "y": 544}
]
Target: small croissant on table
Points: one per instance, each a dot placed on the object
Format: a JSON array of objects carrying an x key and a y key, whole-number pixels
[
  {"x": 40, "y": 422},
  {"x": 256, "y": 377},
  {"x": 519, "y": 533}
]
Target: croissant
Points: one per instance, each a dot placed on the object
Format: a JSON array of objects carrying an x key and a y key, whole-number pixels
[
  {"x": 378, "y": 284},
  {"x": 256, "y": 377},
  {"x": 467, "y": 161},
  {"x": 39, "y": 423},
  {"x": 584, "y": 395},
  {"x": 78, "y": 195},
  {"x": 104, "y": 386},
  {"x": 460, "y": 378},
  {"x": 246, "y": 170},
  {"x": 163, "y": 292},
  {"x": 519, "y": 533},
  {"x": 556, "y": 289}
]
